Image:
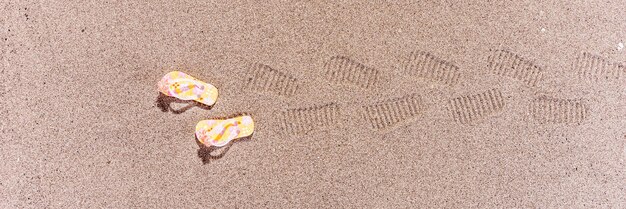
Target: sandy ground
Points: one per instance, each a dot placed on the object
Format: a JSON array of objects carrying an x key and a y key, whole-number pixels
[{"x": 522, "y": 104}]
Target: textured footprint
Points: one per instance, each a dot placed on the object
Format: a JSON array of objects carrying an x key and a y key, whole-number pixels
[
  {"x": 343, "y": 70},
  {"x": 552, "y": 110},
  {"x": 390, "y": 112},
  {"x": 594, "y": 67},
  {"x": 505, "y": 63},
  {"x": 469, "y": 108},
  {"x": 425, "y": 65},
  {"x": 263, "y": 78},
  {"x": 303, "y": 120}
]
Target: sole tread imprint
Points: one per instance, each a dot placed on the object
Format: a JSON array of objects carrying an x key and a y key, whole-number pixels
[
  {"x": 263, "y": 78},
  {"x": 508, "y": 64},
  {"x": 343, "y": 70},
  {"x": 552, "y": 110},
  {"x": 390, "y": 112},
  {"x": 593, "y": 67},
  {"x": 425, "y": 65},
  {"x": 469, "y": 108},
  {"x": 303, "y": 120}
]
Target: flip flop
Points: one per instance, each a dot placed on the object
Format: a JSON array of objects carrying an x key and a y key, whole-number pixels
[
  {"x": 182, "y": 86},
  {"x": 219, "y": 132}
]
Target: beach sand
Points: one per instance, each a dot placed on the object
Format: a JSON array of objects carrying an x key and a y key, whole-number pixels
[{"x": 358, "y": 105}]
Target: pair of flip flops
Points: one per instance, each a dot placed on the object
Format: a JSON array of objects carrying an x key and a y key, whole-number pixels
[{"x": 209, "y": 132}]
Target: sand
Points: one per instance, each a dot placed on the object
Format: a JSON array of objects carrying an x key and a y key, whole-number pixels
[{"x": 358, "y": 105}]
